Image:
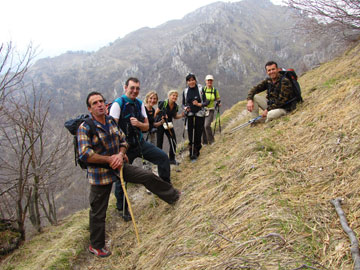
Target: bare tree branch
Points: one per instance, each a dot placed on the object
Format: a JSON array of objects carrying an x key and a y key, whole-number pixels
[
  {"x": 340, "y": 16},
  {"x": 13, "y": 67},
  {"x": 353, "y": 240}
]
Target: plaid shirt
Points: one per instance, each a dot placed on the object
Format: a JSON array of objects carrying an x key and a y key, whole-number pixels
[{"x": 103, "y": 143}]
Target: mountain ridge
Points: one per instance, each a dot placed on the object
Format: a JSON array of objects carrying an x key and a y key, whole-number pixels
[{"x": 232, "y": 41}]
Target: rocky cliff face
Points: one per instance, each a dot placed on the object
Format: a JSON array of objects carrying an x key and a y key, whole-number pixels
[{"x": 232, "y": 41}]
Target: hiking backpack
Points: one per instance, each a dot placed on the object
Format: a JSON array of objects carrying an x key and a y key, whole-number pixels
[
  {"x": 133, "y": 134},
  {"x": 162, "y": 107},
  {"x": 291, "y": 75},
  {"x": 72, "y": 126}
]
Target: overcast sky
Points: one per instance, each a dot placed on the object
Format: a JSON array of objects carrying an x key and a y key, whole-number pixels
[{"x": 57, "y": 26}]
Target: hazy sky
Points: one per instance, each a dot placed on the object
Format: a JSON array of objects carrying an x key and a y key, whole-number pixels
[{"x": 57, "y": 26}]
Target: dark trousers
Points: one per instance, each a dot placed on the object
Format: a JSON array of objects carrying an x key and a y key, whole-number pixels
[
  {"x": 133, "y": 174},
  {"x": 99, "y": 199},
  {"x": 195, "y": 128},
  {"x": 171, "y": 137},
  {"x": 154, "y": 155}
]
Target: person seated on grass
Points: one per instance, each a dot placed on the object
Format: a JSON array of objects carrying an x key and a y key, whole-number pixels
[{"x": 280, "y": 98}]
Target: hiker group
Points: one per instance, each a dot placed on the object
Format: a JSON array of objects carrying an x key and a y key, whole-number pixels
[{"x": 114, "y": 134}]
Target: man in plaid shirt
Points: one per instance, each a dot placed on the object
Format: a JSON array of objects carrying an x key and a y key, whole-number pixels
[{"x": 105, "y": 154}]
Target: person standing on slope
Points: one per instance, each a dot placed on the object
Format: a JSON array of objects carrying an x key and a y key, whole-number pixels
[
  {"x": 105, "y": 154},
  {"x": 194, "y": 101},
  {"x": 212, "y": 94},
  {"x": 129, "y": 112},
  {"x": 168, "y": 111}
]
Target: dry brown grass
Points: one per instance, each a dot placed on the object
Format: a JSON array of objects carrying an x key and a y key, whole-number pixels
[{"x": 258, "y": 198}]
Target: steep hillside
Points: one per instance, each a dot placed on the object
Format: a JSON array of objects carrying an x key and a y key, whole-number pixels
[{"x": 256, "y": 199}]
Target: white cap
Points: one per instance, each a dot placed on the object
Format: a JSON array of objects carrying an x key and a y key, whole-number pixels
[{"x": 209, "y": 77}]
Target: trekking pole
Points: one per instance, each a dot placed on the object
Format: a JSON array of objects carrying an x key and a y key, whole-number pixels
[
  {"x": 218, "y": 113},
  {"x": 246, "y": 124},
  {"x": 185, "y": 119},
  {"x": 193, "y": 137},
  {"x": 139, "y": 145},
  {"x": 129, "y": 205},
  {"x": 172, "y": 143},
  {"x": 217, "y": 108}
]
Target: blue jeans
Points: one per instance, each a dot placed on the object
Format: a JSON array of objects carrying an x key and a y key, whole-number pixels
[{"x": 150, "y": 153}]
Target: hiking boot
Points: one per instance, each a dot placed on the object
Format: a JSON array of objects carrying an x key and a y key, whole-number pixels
[
  {"x": 193, "y": 157},
  {"x": 125, "y": 216},
  {"x": 177, "y": 197},
  {"x": 174, "y": 162},
  {"x": 102, "y": 253}
]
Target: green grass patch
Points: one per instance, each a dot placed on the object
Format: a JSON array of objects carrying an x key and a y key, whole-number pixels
[
  {"x": 331, "y": 82},
  {"x": 268, "y": 147}
]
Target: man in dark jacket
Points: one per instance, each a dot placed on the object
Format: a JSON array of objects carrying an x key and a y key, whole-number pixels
[
  {"x": 129, "y": 112},
  {"x": 280, "y": 98}
]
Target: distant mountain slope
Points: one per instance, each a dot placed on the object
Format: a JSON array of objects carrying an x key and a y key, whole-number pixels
[
  {"x": 256, "y": 199},
  {"x": 232, "y": 41}
]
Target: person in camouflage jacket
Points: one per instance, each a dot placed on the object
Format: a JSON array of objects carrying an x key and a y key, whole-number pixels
[{"x": 280, "y": 95}]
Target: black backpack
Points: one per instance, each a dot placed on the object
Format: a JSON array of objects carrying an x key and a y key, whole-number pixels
[
  {"x": 291, "y": 75},
  {"x": 72, "y": 125}
]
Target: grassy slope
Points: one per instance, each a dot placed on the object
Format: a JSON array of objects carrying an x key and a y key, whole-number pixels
[{"x": 256, "y": 199}]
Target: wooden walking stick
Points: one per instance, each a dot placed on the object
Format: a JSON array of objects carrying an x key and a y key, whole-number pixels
[{"x": 128, "y": 202}]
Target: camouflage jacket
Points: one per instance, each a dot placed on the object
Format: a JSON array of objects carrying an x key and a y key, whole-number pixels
[{"x": 278, "y": 96}]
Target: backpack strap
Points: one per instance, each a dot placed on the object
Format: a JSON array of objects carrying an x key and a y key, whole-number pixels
[
  {"x": 200, "y": 92},
  {"x": 212, "y": 92},
  {"x": 92, "y": 126},
  {"x": 122, "y": 102},
  {"x": 93, "y": 132},
  {"x": 185, "y": 93}
]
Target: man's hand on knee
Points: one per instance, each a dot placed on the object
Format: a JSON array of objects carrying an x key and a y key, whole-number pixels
[
  {"x": 265, "y": 113},
  {"x": 250, "y": 105}
]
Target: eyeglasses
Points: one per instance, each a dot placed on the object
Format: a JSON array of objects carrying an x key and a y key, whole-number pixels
[{"x": 132, "y": 88}]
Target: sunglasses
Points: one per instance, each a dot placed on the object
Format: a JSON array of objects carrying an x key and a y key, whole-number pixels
[{"x": 137, "y": 88}]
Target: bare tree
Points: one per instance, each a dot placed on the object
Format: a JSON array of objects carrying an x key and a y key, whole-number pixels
[
  {"x": 15, "y": 169},
  {"x": 33, "y": 157},
  {"x": 340, "y": 16},
  {"x": 13, "y": 67}
]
